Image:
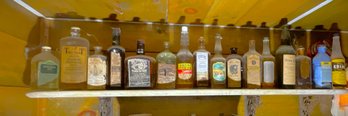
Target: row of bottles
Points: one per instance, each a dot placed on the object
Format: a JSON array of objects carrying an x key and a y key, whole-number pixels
[{"x": 288, "y": 69}]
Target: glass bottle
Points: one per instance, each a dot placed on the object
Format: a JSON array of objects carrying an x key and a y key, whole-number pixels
[
  {"x": 285, "y": 61},
  {"x": 44, "y": 70},
  {"x": 74, "y": 58},
  {"x": 140, "y": 69},
  {"x": 166, "y": 69},
  {"x": 97, "y": 70},
  {"x": 201, "y": 66},
  {"x": 218, "y": 68},
  {"x": 303, "y": 70},
  {"x": 234, "y": 69},
  {"x": 322, "y": 69},
  {"x": 268, "y": 63},
  {"x": 184, "y": 62},
  {"x": 252, "y": 65},
  {"x": 338, "y": 64},
  {"x": 116, "y": 56}
]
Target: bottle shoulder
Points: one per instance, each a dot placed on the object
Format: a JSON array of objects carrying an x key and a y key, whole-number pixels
[
  {"x": 233, "y": 56},
  {"x": 321, "y": 57},
  {"x": 144, "y": 57},
  {"x": 184, "y": 52},
  {"x": 44, "y": 56},
  {"x": 120, "y": 48},
  {"x": 98, "y": 56},
  {"x": 283, "y": 49},
  {"x": 74, "y": 41}
]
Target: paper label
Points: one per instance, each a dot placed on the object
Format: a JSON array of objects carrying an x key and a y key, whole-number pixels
[
  {"x": 47, "y": 72},
  {"x": 219, "y": 71},
  {"x": 234, "y": 69},
  {"x": 305, "y": 68},
  {"x": 253, "y": 70},
  {"x": 139, "y": 73},
  {"x": 96, "y": 72},
  {"x": 268, "y": 74},
  {"x": 166, "y": 73},
  {"x": 289, "y": 67},
  {"x": 115, "y": 68},
  {"x": 184, "y": 71},
  {"x": 338, "y": 71},
  {"x": 74, "y": 64},
  {"x": 202, "y": 66},
  {"x": 326, "y": 71}
]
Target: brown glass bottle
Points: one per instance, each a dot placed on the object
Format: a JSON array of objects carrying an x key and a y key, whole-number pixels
[
  {"x": 218, "y": 66},
  {"x": 116, "y": 56},
  {"x": 234, "y": 70}
]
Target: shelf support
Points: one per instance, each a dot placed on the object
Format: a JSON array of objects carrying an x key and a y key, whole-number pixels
[
  {"x": 106, "y": 106},
  {"x": 251, "y": 103}
]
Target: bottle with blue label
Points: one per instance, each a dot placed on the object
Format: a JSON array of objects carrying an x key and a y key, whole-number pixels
[
  {"x": 322, "y": 69},
  {"x": 44, "y": 70},
  {"x": 218, "y": 66}
]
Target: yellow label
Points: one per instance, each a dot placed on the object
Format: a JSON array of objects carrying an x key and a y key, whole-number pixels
[
  {"x": 73, "y": 64},
  {"x": 289, "y": 66},
  {"x": 184, "y": 71},
  {"x": 338, "y": 72}
]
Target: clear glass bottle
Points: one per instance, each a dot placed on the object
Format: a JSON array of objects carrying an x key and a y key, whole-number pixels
[
  {"x": 322, "y": 69},
  {"x": 234, "y": 69},
  {"x": 140, "y": 69},
  {"x": 184, "y": 62},
  {"x": 218, "y": 66},
  {"x": 166, "y": 69},
  {"x": 253, "y": 67},
  {"x": 201, "y": 65},
  {"x": 268, "y": 63},
  {"x": 74, "y": 58},
  {"x": 116, "y": 56},
  {"x": 97, "y": 70},
  {"x": 285, "y": 61},
  {"x": 338, "y": 64},
  {"x": 44, "y": 70},
  {"x": 303, "y": 70}
]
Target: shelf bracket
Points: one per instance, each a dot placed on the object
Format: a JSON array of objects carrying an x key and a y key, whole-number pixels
[{"x": 106, "y": 106}]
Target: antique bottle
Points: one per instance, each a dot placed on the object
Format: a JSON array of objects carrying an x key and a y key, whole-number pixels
[
  {"x": 253, "y": 67},
  {"x": 184, "y": 62},
  {"x": 74, "y": 58},
  {"x": 140, "y": 69},
  {"x": 97, "y": 70},
  {"x": 285, "y": 62},
  {"x": 338, "y": 64},
  {"x": 201, "y": 65},
  {"x": 268, "y": 63},
  {"x": 116, "y": 56},
  {"x": 166, "y": 69},
  {"x": 234, "y": 67},
  {"x": 218, "y": 66},
  {"x": 44, "y": 70},
  {"x": 303, "y": 70},
  {"x": 322, "y": 69}
]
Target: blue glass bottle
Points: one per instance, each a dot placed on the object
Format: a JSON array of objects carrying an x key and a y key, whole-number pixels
[{"x": 322, "y": 69}]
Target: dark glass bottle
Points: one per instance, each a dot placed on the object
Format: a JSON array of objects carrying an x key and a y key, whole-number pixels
[{"x": 116, "y": 56}]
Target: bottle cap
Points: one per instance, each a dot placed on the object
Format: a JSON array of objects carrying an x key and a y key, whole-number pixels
[
  {"x": 116, "y": 30},
  {"x": 98, "y": 48},
  {"x": 322, "y": 48},
  {"x": 234, "y": 50},
  {"x": 184, "y": 29},
  {"x": 46, "y": 47}
]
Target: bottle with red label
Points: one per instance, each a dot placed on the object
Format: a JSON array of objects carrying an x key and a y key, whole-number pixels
[{"x": 184, "y": 62}]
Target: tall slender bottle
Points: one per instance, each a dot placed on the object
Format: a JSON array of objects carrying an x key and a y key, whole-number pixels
[
  {"x": 184, "y": 62},
  {"x": 303, "y": 70},
  {"x": 97, "y": 70},
  {"x": 218, "y": 66},
  {"x": 201, "y": 65},
  {"x": 166, "y": 69},
  {"x": 285, "y": 61},
  {"x": 74, "y": 58},
  {"x": 141, "y": 69},
  {"x": 253, "y": 67},
  {"x": 116, "y": 56},
  {"x": 322, "y": 69},
  {"x": 234, "y": 69},
  {"x": 44, "y": 70},
  {"x": 338, "y": 64},
  {"x": 268, "y": 63}
]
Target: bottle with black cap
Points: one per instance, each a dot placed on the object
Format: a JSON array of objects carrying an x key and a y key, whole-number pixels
[{"x": 234, "y": 69}]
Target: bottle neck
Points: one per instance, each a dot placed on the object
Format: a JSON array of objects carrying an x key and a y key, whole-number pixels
[
  {"x": 266, "y": 49},
  {"x": 201, "y": 43},
  {"x": 301, "y": 51},
  {"x": 252, "y": 45},
  {"x": 218, "y": 47},
  {"x": 184, "y": 42},
  {"x": 116, "y": 36},
  {"x": 336, "y": 47},
  {"x": 140, "y": 49},
  {"x": 166, "y": 46}
]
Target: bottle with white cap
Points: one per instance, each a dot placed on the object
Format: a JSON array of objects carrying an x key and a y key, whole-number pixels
[
  {"x": 44, "y": 70},
  {"x": 74, "y": 53},
  {"x": 184, "y": 62}
]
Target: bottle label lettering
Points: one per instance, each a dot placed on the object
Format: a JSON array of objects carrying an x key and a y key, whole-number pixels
[
  {"x": 289, "y": 67},
  {"x": 219, "y": 71},
  {"x": 234, "y": 69},
  {"x": 115, "y": 68},
  {"x": 268, "y": 74},
  {"x": 202, "y": 62},
  {"x": 166, "y": 73},
  {"x": 184, "y": 71},
  {"x": 96, "y": 72},
  {"x": 74, "y": 64},
  {"x": 253, "y": 70},
  {"x": 338, "y": 72},
  {"x": 47, "y": 72},
  {"x": 139, "y": 73}
]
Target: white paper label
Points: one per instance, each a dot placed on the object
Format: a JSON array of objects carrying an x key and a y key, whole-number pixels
[
  {"x": 253, "y": 70},
  {"x": 202, "y": 66},
  {"x": 289, "y": 67},
  {"x": 268, "y": 74}
]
